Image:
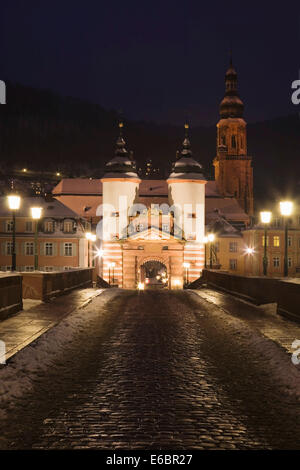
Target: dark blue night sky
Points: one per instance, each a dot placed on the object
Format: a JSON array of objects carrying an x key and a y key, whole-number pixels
[{"x": 159, "y": 61}]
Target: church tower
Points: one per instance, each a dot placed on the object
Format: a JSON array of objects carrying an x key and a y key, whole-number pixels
[{"x": 233, "y": 167}]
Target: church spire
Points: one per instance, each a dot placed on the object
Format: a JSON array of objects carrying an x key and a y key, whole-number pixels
[{"x": 231, "y": 105}]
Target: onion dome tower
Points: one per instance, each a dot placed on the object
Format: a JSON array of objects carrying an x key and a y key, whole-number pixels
[
  {"x": 186, "y": 185},
  {"x": 233, "y": 167},
  {"x": 120, "y": 190}
]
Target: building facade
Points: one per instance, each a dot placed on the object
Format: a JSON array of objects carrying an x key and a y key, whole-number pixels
[{"x": 62, "y": 244}]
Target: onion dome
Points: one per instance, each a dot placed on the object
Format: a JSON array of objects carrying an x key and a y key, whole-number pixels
[
  {"x": 231, "y": 106},
  {"x": 185, "y": 166},
  {"x": 121, "y": 165}
]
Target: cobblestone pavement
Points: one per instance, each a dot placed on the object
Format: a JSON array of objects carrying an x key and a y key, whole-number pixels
[{"x": 160, "y": 370}]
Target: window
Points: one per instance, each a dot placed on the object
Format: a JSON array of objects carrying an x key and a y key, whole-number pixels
[
  {"x": 165, "y": 248},
  {"x": 140, "y": 247},
  {"x": 139, "y": 227},
  {"x": 68, "y": 268},
  {"x": 68, "y": 251},
  {"x": 29, "y": 268},
  {"x": 48, "y": 268},
  {"x": 233, "y": 264},
  {"x": 290, "y": 262},
  {"x": 191, "y": 216},
  {"x": 233, "y": 247},
  {"x": 28, "y": 226},
  {"x": 9, "y": 248},
  {"x": 277, "y": 222},
  {"x": 29, "y": 248},
  {"x": 115, "y": 214},
  {"x": 233, "y": 141},
  {"x": 48, "y": 249},
  {"x": 263, "y": 240},
  {"x": 276, "y": 262},
  {"x": 9, "y": 226},
  {"x": 49, "y": 226},
  {"x": 217, "y": 247},
  {"x": 166, "y": 227},
  {"x": 276, "y": 241},
  {"x": 290, "y": 241},
  {"x": 68, "y": 226}
]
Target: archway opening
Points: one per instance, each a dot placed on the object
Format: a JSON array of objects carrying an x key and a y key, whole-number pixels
[{"x": 154, "y": 275}]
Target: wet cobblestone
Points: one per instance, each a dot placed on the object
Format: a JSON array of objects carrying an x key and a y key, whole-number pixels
[{"x": 168, "y": 372}]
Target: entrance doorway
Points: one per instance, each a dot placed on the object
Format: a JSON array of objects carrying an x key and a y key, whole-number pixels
[{"x": 154, "y": 275}]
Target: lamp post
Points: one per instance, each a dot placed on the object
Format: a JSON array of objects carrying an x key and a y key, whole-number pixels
[
  {"x": 186, "y": 266},
  {"x": 265, "y": 218},
  {"x": 205, "y": 240},
  {"x": 286, "y": 209},
  {"x": 14, "y": 205},
  {"x": 90, "y": 237},
  {"x": 111, "y": 265},
  {"x": 211, "y": 238},
  {"x": 36, "y": 213}
]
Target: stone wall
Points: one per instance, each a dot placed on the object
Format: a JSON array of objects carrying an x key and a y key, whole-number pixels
[
  {"x": 10, "y": 294},
  {"x": 259, "y": 290},
  {"x": 43, "y": 286}
]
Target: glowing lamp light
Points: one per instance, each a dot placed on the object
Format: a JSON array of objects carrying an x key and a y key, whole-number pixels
[
  {"x": 211, "y": 237},
  {"x": 24, "y": 170},
  {"x": 265, "y": 217},
  {"x": 158, "y": 277},
  {"x": 141, "y": 286},
  {"x": 177, "y": 282},
  {"x": 186, "y": 265},
  {"x": 93, "y": 237},
  {"x": 88, "y": 235},
  {"x": 14, "y": 202},
  {"x": 249, "y": 251},
  {"x": 100, "y": 252},
  {"x": 57, "y": 173},
  {"x": 164, "y": 280},
  {"x": 36, "y": 212},
  {"x": 147, "y": 280},
  {"x": 286, "y": 208},
  {"x": 205, "y": 239}
]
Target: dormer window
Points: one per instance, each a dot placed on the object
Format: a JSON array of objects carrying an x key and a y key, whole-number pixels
[
  {"x": 68, "y": 226},
  {"x": 49, "y": 226}
]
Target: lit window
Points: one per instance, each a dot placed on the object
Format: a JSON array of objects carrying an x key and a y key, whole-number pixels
[
  {"x": 29, "y": 248},
  {"x": 233, "y": 247},
  {"x": 48, "y": 249},
  {"x": 276, "y": 262},
  {"x": 68, "y": 226},
  {"x": 276, "y": 241},
  {"x": 68, "y": 249},
  {"x": 233, "y": 264},
  {"x": 48, "y": 226},
  {"x": 263, "y": 240}
]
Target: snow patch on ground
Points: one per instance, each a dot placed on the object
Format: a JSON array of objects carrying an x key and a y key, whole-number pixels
[
  {"x": 18, "y": 376},
  {"x": 285, "y": 373}
]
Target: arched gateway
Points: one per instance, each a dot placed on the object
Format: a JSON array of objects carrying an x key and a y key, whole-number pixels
[{"x": 154, "y": 274}]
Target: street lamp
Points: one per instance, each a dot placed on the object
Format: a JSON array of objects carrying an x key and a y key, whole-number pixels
[
  {"x": 265, "y": 218},
  {"x": 211, "y": 238},
  {"x": 205, "y": 240},
  {"x": 286, "y": 209},
  {"x": 186, "y": 266},
  {"x": 36, "y": 213},
  {"x": 14, "y": 204}
]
